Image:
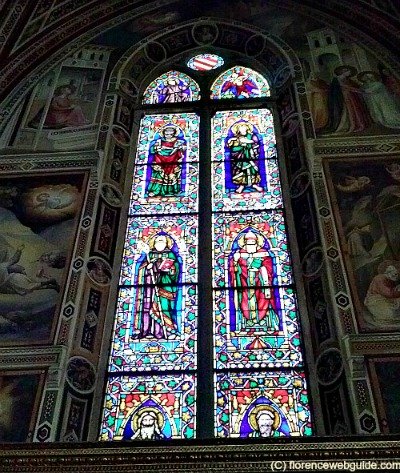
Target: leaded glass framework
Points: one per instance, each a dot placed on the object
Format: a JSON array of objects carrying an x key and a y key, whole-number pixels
[{"x": 206, "y": 301}]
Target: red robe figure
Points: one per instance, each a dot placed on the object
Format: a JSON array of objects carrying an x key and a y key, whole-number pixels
[
  {"x": 251, "y": 276},
  {"x": 239, "y": 86}
]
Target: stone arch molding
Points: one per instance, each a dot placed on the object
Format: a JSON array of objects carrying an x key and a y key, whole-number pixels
[{"x": 273, "y": 56}]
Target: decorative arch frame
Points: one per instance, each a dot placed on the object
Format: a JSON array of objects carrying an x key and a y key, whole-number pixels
[{"x": 114, "y": 92}]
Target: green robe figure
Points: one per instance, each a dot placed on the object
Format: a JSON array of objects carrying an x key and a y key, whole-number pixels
[
  {"x": 156, "y": 302},
  {"x": 244, "y": 151},
  {"x": 166, "y": 162}
]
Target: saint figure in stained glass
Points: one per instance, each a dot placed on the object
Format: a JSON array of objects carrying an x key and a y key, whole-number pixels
[
  {"x": 239, "y": 85},
  {"x": 166, "y": 159},
  {"x": 145, "y": 424},
  {"x": 172, "y": 87},
  {"x": 158, "y": 297},
  {"x": 172, "y": 90},
  {"x": 243, "y": 151},
  {"x": 264, "y": 420},
  {"x": 251, "y": 273}
]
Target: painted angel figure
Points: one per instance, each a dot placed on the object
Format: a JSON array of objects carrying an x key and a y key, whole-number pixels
[{"x": 158, "y": 296}]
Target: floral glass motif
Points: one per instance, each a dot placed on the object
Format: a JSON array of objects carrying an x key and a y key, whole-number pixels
[
  {"x": 205, "y": 62},
  {"x": 260, "y": 405},
  {"x": 245, "y": 167},
  {"x": 172, "y": 87},
  {"x": 166, "y": 171},
  {"x": 149, "y": 408},
  {"x": 240, "y": 83}
]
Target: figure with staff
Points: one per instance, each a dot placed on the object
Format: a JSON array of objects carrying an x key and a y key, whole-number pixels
[{"x": 158, "y": 295}]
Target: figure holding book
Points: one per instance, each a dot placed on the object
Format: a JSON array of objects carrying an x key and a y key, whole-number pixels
[{"x": 157, "y": 298}]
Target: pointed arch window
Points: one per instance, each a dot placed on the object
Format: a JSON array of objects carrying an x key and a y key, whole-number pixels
[{"x": 206, "y": 338}]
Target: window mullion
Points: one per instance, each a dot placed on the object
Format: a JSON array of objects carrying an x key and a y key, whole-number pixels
[{"x": 205, "y": 388}]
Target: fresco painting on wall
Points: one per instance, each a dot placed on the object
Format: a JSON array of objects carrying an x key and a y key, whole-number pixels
[
  {"x": 349, "y": 90},
  {"x": 385, "y": 380},
  {"x": 73, "y": 100},
  {"x": 19, "y": 394},
  {"x": 62, "y": 111},
  {"x": 365, "y": 193},
  {"x": 39, "y": 216}
]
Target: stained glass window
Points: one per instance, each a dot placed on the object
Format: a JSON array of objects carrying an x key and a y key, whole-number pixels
[
  {"x": 206, "y": 274},
  {"x": 141, "y": 407},
  {"x": 265, "y": 404},
  {"x": 240, "y": 83},
  {"x": 173, "y": 86},
  {"x": 205, "y": 62}
]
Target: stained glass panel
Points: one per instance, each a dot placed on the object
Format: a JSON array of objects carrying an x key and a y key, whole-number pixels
[
  {"x": 153, "y": 408},
  {"x": 254, "y": 245},
  {"x": 240, "y": 83},
  {"x": 139, "y": 346},
  {"x": 267, "y": 404},
  {"x": 170, "y": 87},
  {"x": 259, "y": 338},
  {"x": 178, "y": 248},
  {"x": 205, "y": 62},
  {"x": 245, "y": 169},
  {"x": 166, "y": 171}
]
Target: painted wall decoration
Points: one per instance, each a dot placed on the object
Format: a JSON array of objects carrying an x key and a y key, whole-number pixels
[
  {"x": 39, "y": 217},
  {"x": 61, "y": 112},
  {"x": 365, "y": 193},
  {"x": 99, "y": 271},
  {"x": 349, "y": 90},
  {"x": 385, "y": 379},
  {"x": 19, "y": 396},
  {"x": 73, "y": 100}
]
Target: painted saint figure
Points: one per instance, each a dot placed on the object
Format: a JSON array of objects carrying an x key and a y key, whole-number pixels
[
  {"x": 167, "y": 153},
  {"x": 251, "y": 276},
  {"x": 381, "y": 104},
  {"x": 14, "y": 279},
  {"x": 383, "y": 297},
  {"x": 348, "y": 112},
  {"x": 63, "y": 111},
  {"x": 157, "y": 298},
  {"x": 243, "y": 150}
]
